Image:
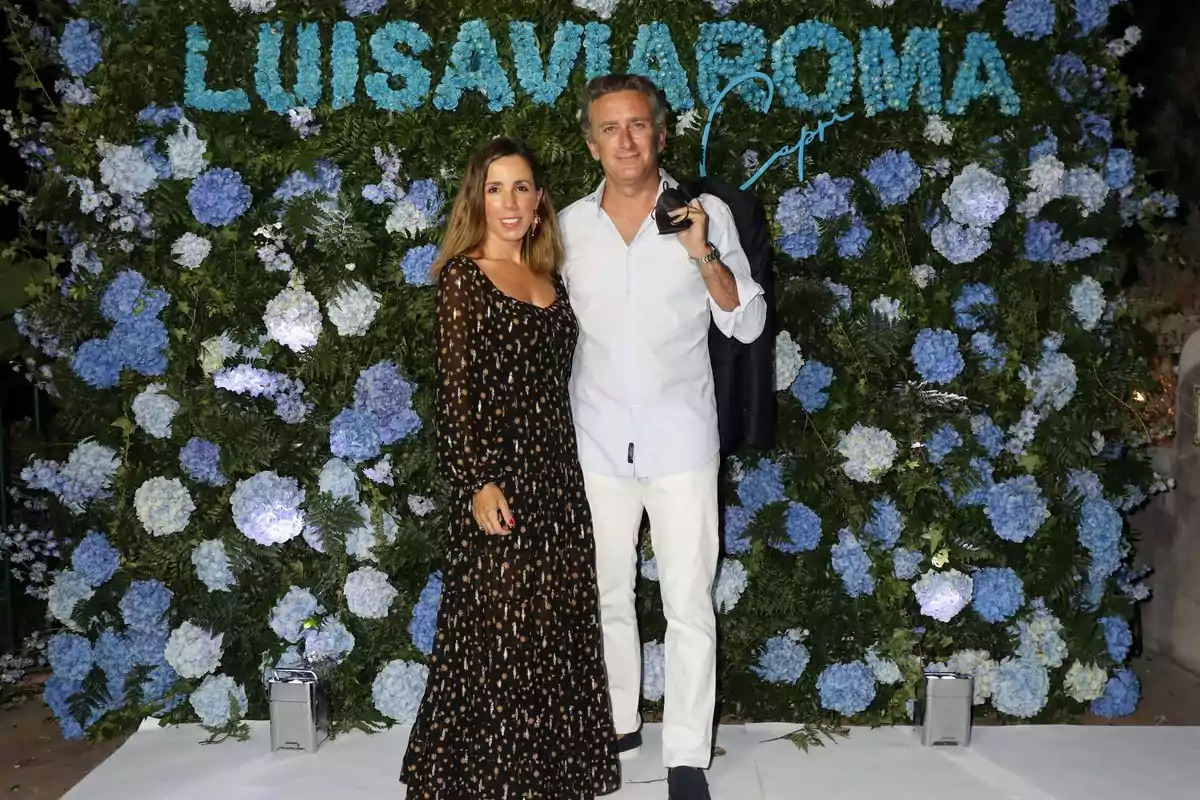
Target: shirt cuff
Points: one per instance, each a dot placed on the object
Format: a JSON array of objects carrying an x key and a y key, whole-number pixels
[{"x": 750, "y": 298}]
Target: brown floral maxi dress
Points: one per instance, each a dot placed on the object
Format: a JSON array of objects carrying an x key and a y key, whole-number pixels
[{"x": 517, "y": 704}]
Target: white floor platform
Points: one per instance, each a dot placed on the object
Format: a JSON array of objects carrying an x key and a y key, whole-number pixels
[{"x": 1014, "y": 763}]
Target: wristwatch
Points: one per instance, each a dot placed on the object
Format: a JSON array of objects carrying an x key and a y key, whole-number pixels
[{"x": 713, "y": 255}]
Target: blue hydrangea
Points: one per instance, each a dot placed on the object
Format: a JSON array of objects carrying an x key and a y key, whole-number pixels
[
  {"x": 942, "y": 595},
  {"x": 737, "y": 519},
  {"x": 158, "y": 690},
  {"x": 803, "y": 528},
  {"x": 1099, "y": 531},
  {"x": 416, "y": 265},
  {"x": 398, "y": 688},
  {"x": 970, "y": 300},
  {"x": 935, "y": 355},
  {"x": 1118, "y": 168},
  {"x": 292, "y": 611},
  {"x": 148, "y": 648},
  {"x": 353, "y": 435},
  {"x": 57, "y": 694},
  {"x": 97, "y": 363},
  {"x": 218, "y": 197},
  {"x": 212, "y": 700},
  {"x": 1020, "y": 687},
  {"x": 1030, "y": 19},
  {"x": 363, "y": 8},
  {"x": 988, "y": 434},
  {"x": 761, "y": 486},
  {"x": 959, "y": 244},
  {"x": 895, "y": 177},
  {"x": 332, "y": 641},
  {"x": 1118, "y": 638},
  {"x": 799, "y": 236},
  {"x": 1091, "y": 15},
  {"x": 70, "y": 656},
  {"x": 423, "y": 625},
  {"x": 95, "y": 559},
  {"x": 144, "y": 605},
  {"x": 829, "y": 198},
  {"x": 999, "y": 593},
  {"x": 1016, "y": 508},
  {"x": 852, "y": 564},
  {"x": 847, "y": 688},
  {"x": 79, "y": 47},
  {"x": 853, "y": 243},
  {"x": 383, "y": 393},
  {"x": 201, "y": 460},
  {"x": 1121, "y": 695},
  {"x": 1095, "y": 127},
  {"x": 811, "y": 385},
  {"x": 942, "y": 442},
  {"x": 781, "y": 660},
  {"x": 961, "y": 6},
  {"x": 906, "y": 563},
  {"x": 126, "y": 298},
  {"x": 113, "y": 656},
  {"x": 984, "y": 345},
  {"x": 886, "y": 523}
]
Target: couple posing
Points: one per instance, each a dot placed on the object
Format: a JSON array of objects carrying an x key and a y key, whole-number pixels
[{"x": 575, "y": 393}]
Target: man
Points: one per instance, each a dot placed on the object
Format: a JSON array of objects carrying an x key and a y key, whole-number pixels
[{"x": 644, "y": 408}]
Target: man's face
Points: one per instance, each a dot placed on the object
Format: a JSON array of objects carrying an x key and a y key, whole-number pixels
[{"x": 623, "y": 138}]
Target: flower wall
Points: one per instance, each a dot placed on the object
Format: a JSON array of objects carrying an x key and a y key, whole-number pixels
[{"x": 240, "y": 202}]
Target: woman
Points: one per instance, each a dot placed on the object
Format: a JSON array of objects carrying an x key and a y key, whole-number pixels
[{"x": 517, "y": 704}]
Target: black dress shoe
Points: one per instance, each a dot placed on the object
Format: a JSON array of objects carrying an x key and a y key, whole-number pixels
[
  {"x": 629, "y": 744},
  {"x": 687, "y": 783}
]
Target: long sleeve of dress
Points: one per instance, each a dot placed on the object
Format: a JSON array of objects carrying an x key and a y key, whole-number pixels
[{"x": 465, "y": 450}]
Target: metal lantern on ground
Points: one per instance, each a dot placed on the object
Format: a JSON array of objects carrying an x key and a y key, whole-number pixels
[
  {"x": 943, "y": 710},
  {"x": 299, "y": 709}
]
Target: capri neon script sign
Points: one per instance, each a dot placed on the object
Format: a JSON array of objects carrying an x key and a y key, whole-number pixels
[{"x": 807, "y": 136}]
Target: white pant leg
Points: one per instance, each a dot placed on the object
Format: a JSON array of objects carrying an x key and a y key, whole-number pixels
[
  {"x": 683, "y": 529},
  {"x": 616, "y": 505}
]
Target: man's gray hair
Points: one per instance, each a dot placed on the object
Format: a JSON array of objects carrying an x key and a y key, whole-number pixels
[{"x": 620, "y": 82}]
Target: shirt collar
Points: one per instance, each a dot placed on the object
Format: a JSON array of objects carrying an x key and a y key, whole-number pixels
[{"x": 663, "y": 177}]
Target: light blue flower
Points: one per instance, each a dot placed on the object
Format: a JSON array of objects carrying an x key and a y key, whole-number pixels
[
  {"x": 144, "y": 605},
  {"x": 292, "y": 611},
  {"x": 761, "y": 486},
  {"x": 423, "y": 624},
  {"x": 1118, "y": 638},
  {"x": 781, "y": 659},
  {"x": 852, "y": 564},
  {"x": 886, "y": 523},
  {"x": 737, "y": 519},
  {"x": 1030, "y": 19},
  {"x": 1020, "y": 688},
  {"x": 218, "y": 197},
  {"x": 906, "y": 563},
  {"x": 332, "y": 641},
  {"x": 803, "y": 528},
  {"x": 935, "y": 355},
  {"x": 973, "y": 299},
  {"x": 212, "y": 565},
  {"x": 79, "y": 47},
  {"x": 942, "y": 595},
  {"x": 70, "y": 656},
  {"x": 811, "y": 385},
  {"x": 95, "y": 559},
  {"x": 213, "y": 699},
  {"x": 1016, "y": 508},
  {"x": 416, "y": 265},
  {"x": 1121, "y": 695},
  {"x": 999, "y": 593},
  {"x": 201, "y": 460},
  {"x": 847, "y": 688},
  {"x": 398, "y": 688},
  {"x": 942, "y": 442},
  {"x": 894, "y": 175},
  {"x": 267, "y": 508}
]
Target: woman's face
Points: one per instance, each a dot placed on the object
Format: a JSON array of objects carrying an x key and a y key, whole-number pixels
[{"x": 510, "y": 199}]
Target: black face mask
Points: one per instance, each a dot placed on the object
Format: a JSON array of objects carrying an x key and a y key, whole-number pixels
[{"x": 669, "y": 200}]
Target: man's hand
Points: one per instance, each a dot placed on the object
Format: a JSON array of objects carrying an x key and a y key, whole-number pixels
[
  {"x": 491, "y": 511},
  {"x": 694, "y": 238}
]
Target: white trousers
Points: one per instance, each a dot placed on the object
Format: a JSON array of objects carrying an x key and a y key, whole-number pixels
[{"x": 684, "y": 534}]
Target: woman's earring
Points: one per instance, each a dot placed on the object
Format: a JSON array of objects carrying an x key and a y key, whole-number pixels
[{"x": 537, "y": 220}]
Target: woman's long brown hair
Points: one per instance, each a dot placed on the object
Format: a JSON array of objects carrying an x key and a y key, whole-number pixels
[{"x": 467, "y": 228}]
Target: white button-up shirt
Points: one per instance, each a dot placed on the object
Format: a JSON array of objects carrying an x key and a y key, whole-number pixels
[{"x": 642, "y": 383}]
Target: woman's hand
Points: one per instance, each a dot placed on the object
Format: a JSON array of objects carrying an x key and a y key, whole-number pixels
[{"x": 491, "y": 511}]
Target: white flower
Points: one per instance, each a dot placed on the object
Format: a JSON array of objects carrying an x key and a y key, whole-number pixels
[
  {"x": 1085, "y": 683},
  {"x": 211, "y": 700},
  {"x": 869, "y": 452},
  {"x": 976, "y": 197},
  {"x": 886, "y": 307},
  {"x": 1087, "y": 301},
  {"x": 125, "y": 170},
  {"x": 192, "y": 651},
  {"x": 163, "y": 505},
  {"x": 649, "y": 568},
  {"x": 253, "y": 6},
  {"x": 882, "y": 3},
  {"x": 406, "y": 218},
  {"x": 361, "y": 540},
  {"x": 601, "y": 8},
  {"x": 186, "y": 152},
  {"x": 212, "y": 565},
  {"x": 1045, "y": 182},
  {"x": 215, "y": 350},
  {"x": 398, "y": 688},
  {"x": 190, "y": 250},
  {"x": 688, "y": 121},
  {"x": 420, "y": 506},
  {"x": 730, "y": 584},
  {"x": 885, "y": 669},
  {"x": 353, "y": 309},
  {"x": 368, "y": 593},
  {"x": 68, "y": 590},
  {"x": 923, "y": 275},
  {"x": 1088, "y": 187},
  {"x": 293, "y": 317},
  {"x": 154, "y": 411},
  {"x": 976, "y": 663},
  {"x": 338, "y": 481},
  {"x": 788, "y": 361},
  {"x": 292, "y": 611},
  {"x": 654, "y": 678},
  {"x": 937, "y": 131}
]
